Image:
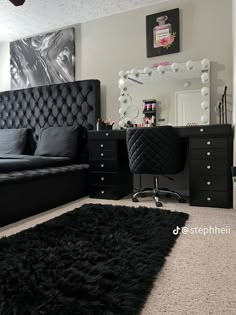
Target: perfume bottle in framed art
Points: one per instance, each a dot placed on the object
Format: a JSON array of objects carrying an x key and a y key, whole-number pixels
[{"x": 161, "y": 31}]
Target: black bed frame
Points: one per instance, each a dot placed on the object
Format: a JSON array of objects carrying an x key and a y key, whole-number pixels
[{"x": 68, "y": 104}]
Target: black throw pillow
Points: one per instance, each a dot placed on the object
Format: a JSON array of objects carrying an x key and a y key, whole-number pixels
[
  {"x": 13, "y": 141},
  {"x": 58, "y": 141}
]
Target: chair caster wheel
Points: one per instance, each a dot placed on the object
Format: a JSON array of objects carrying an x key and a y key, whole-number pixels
[
  {"x": 159, "y": 204},
  {"x": 134, "y": 199},
  {"x": 182, "y": 200}
]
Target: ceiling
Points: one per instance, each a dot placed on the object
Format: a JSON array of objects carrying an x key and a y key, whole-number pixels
[{"x": 39, "y": 16}]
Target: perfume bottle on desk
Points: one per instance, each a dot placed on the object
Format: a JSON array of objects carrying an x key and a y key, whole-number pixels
[{"x": 161, "y": 31}]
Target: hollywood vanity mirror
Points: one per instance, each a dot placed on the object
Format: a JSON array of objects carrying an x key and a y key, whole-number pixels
[{"x": 177, "y": 94}]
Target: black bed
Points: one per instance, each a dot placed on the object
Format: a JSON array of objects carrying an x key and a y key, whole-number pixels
[{"x": 31, "y": 184}]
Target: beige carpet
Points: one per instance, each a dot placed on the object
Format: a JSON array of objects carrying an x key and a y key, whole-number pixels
[{"x": 199, "y": 276}]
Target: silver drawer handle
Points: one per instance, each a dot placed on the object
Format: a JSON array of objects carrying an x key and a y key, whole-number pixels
[
  {"x": 201, "y": 130},
  {"x": 208, "y": 142},
  {"x": 102, "y": 192},
  {"x": 101, "y": 145},
  {"x": 102, "y": 178},
  {"x": 107, "y": 134},
  {"x": 208, "y": 183},
  {"x": 208, "y": 198},
  {"x": 208, "y": 153},
  {"x": 102, "y": 154},
  {"x": 208, "y": 167},
  {"x": 102, "y": 165}
]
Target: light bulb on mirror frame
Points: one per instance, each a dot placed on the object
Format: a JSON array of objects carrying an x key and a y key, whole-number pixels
[
  {"x": 147, "y": 71},
  {"x": 204, "y": 119},
  {"x": 121, "y": 83},
  {"x": 122, "y": 123},
  {"x": 189, "y": 65},
  {"x": 205, "y": 77},
  {"x": 135, "y": 72},
  {"x": 121, "y": 73},
  {"x": 124, "y": 91},
  {"x": 175, "y": 67},
  {"x": 123, "y": 86},
  {"x": 205, "y": 91},
  {"x": 204, "y": 105},
  {"x": 122, "y": 111},
  {"x": 187, "y": 84},
  {"x": 205, "y": 63},
  {"x": 161, "y": 69},
  {"x": 122, "y": 99}
]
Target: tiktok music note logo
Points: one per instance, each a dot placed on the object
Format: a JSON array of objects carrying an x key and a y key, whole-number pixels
[{"x": 176, "y": 230}]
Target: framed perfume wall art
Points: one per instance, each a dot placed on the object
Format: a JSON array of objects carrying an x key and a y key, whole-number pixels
[{"x": 162, "y": 33}]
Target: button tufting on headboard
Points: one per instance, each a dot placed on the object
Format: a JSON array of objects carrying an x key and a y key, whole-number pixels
[{"x": 67, "y": 104}]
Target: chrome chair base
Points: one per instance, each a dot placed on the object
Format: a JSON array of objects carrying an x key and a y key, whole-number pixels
[{"x": 155, "y": 193}]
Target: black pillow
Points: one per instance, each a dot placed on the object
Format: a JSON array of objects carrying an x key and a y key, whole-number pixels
[
  {"x": 58, "y": 141},
  {"x": 13, "y": 141}
]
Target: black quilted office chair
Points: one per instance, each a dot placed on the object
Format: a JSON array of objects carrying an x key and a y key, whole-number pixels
[{"x": 157, "y": 151}]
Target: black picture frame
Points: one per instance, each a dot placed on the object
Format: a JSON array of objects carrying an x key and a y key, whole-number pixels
[{"x": 162, "y": 33}]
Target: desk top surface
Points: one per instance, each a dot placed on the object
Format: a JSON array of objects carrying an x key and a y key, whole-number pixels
[{"x": 184, "y": 132}]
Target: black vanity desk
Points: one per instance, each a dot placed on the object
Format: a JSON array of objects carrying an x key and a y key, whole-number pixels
[{"x": 210, "y": 162}]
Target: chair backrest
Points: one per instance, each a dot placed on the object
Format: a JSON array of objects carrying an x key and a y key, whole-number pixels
[{"x": 155, "y": 150}]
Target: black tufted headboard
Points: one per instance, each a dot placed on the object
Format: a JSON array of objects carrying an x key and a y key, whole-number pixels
[
  {"x": 68, "y": 104},
  {"x": 73, "y": 103}
]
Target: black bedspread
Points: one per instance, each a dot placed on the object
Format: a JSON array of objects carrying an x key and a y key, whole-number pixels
[{"x": 10, "y": 163}]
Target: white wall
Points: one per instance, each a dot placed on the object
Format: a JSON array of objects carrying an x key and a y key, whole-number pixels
[
  {"x": 118, "y": 42},
  {"x": 4, "y": 66}
]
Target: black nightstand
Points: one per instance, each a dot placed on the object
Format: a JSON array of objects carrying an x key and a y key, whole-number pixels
[{"x": 110, "y": 177}]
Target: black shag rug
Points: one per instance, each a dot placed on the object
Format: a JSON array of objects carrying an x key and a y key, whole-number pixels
[{"x": 95, "y": 260}]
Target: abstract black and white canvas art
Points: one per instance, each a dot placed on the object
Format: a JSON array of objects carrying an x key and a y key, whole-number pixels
[{"x": 43, "y": 59}]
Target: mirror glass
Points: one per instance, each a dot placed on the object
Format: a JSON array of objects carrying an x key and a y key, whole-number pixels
[{"x": 174, "y": 94}]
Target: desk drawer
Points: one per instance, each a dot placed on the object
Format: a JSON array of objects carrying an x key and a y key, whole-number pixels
[
  {"x": 208, "y": 154},
  {"x": 102, "y": 154},
  {"x": 102, "y": 145},
  {"x": 209, "y": 143},
  {"x": 104, "y": 192},
  {"x": 103, "y": 178},
  {"x": 103, "y": 166},
  {"x": 217, "y": 199},
  {"x": 214, "y": 183},
  {"x": 213, "y": 167}
]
